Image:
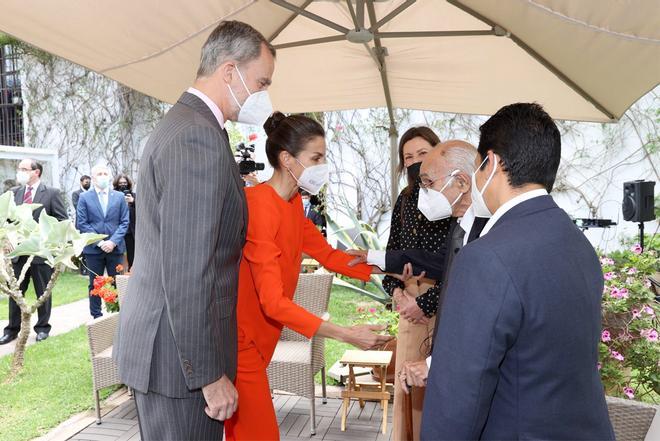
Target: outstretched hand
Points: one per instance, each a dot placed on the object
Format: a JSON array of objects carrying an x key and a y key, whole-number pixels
[
  {"x": 365, "y": 337},
  {"x": 407, "y": 274},
  {"x": 360, "y": 256}
]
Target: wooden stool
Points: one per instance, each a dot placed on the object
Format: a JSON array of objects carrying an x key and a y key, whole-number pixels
[{"x": 370, "y": 359}]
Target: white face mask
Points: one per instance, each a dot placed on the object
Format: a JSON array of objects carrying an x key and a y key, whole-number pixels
[
  {"x": 102, "y": 182},
  {"x": 312, "y": 178},
  {"x": 22, "y": 177},
  {"x": 257, "y": 107},
  {"x": 434, "y": 204},
  {"x": 478, "y": 203}
]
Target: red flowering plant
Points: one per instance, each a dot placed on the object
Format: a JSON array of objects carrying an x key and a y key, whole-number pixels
[
  {"x": 629, "y": 344},
  {"x": 104, "y": 288}
]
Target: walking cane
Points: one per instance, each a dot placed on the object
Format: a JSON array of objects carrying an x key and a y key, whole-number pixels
[{"x": 407, "y": 411}]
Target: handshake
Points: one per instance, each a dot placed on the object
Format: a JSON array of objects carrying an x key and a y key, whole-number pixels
[{"x": 404, "y": 298}]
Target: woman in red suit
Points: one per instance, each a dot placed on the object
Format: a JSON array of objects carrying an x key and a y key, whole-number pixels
[{"x": 278, "y": 234}]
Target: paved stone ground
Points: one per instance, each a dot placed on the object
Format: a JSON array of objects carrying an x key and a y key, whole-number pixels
[{"x": 63, "y": 319}]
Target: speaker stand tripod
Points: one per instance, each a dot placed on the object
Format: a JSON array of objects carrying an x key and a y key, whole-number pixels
[{"x": 641, "y": 235}]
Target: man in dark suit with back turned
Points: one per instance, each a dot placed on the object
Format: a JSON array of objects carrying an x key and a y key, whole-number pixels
[
  {"x": 177, "y": 338},
  {"x": 517, "y": 347},
  {"x": 33, "y": 191}
]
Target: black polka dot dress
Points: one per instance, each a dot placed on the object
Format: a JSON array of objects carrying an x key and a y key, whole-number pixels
[{"x": 409, "y": 229}]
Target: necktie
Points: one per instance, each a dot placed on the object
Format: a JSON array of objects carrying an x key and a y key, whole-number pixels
[
  {"x": 27, "y": 198},
  {"x": 104, "y": 202}
]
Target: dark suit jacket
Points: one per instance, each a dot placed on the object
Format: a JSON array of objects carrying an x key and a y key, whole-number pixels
[
  {"x": 317, "y": 218},
  {"x": 50, "y": 200},
  {"x": 75, "y": 196},
  {"x": 177, "y": 330},
  {"x": 90, "y": 219},
  {"x": 517, "y": 350}
]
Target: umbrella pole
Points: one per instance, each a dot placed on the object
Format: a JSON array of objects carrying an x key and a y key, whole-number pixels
[{"x": 394, "y": 155}]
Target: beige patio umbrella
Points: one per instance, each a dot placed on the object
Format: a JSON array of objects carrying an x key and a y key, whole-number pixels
[{"x": 581, "y": 59}]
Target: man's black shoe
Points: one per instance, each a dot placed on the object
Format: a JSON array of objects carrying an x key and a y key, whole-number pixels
[
  {"x": 41, "y": 336},
  {"x": 7, "y": 338}
]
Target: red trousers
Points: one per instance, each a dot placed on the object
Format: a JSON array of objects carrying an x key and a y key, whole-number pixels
[{"x": 255, "y": 418}]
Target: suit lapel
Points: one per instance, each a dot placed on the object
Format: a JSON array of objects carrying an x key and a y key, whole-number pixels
[
  {"x": 38, "y": 196},
  {"x": 18, "y": 196}
]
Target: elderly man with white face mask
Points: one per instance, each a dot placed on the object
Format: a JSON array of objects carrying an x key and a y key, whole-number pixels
[{"x": 446, "y": 181}]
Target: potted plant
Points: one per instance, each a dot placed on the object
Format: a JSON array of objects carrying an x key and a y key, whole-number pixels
[
  {"x": 630, "y": 346},
  {"x": 382, "y": 315},
  {"x": 57, "y": 242},
  {"x": 104, "y": 287}
]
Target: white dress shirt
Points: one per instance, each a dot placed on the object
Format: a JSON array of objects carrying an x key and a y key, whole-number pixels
[
  {"x": 34, "y": 187},
  {"x": 210, "y": 104},
  {"x": 103, "y": 199}
]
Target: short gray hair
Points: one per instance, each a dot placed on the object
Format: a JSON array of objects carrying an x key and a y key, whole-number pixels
[
  {"x": 99, "y": 167},
  {"x": 460, "y": 155},
  {"x": 231, "y": 40}
]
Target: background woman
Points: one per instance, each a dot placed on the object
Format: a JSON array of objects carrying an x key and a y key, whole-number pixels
[
  {"x": 278, "y": 233},
  {"x": 416, "y": 299},
  {"x": 124, "y": 184}
]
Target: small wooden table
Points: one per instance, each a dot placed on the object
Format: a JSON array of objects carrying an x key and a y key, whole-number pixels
[{"x": 370, "y": 359}]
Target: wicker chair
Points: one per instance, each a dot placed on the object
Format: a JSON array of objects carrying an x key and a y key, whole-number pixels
[
  {"x": 122, "y": 286},
  {"x": 631, "y": 419},
  {"x": 297, "y": 359},
  {"x": 101, "y": 332}
]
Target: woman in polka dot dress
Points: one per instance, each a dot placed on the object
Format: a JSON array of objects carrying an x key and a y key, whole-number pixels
[{"x": 417, "y": 300}]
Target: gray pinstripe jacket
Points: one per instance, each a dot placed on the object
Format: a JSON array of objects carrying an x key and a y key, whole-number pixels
[{"x": 177, "y": 328}]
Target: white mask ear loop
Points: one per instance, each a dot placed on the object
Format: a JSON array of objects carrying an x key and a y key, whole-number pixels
[
  {"x": 452, "y": 176},
  {"x": 490, "y": 178},
  {"x": 242, "y": 80}
]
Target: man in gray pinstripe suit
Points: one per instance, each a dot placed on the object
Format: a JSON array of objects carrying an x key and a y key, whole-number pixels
[{"x": 176, "y": 343}]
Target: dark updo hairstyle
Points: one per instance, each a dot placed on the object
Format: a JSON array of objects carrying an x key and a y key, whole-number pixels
[{"x": 289, "y": 134}]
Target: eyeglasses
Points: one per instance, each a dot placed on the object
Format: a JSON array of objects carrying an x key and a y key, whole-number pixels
[{"x": 427, "y": 184}]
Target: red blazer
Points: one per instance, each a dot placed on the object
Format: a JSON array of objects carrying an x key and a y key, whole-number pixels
[{"x": 278, "y": 233}]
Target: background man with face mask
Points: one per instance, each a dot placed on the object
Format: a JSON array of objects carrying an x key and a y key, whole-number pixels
[
  {"x": 177, "y": 339},
  {"x": 33, "y": 191},
  {"x": 85, "y": 184},
  {"x": 517, "y": 347},
  {"x": 102, "y": 210}
]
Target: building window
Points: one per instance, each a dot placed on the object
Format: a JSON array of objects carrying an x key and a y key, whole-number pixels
[{"x": 11, "y": 102}]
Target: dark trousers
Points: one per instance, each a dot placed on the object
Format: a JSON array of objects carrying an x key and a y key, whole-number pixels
[
  {"x": 40, "y": 274},
  {"x": 129, "y": 239},
  {"x": 97, "y": 264},
  {"x": 162, "y": 418}
]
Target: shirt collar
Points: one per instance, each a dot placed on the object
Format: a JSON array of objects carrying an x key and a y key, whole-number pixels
[
  {"x": 34, "y": 186},
  {"x": 467, "y": 220},
  {"x": 509, "y": 205},
  {"x": 99, "y": 191},
  {"x": 210, "y": 104}
]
